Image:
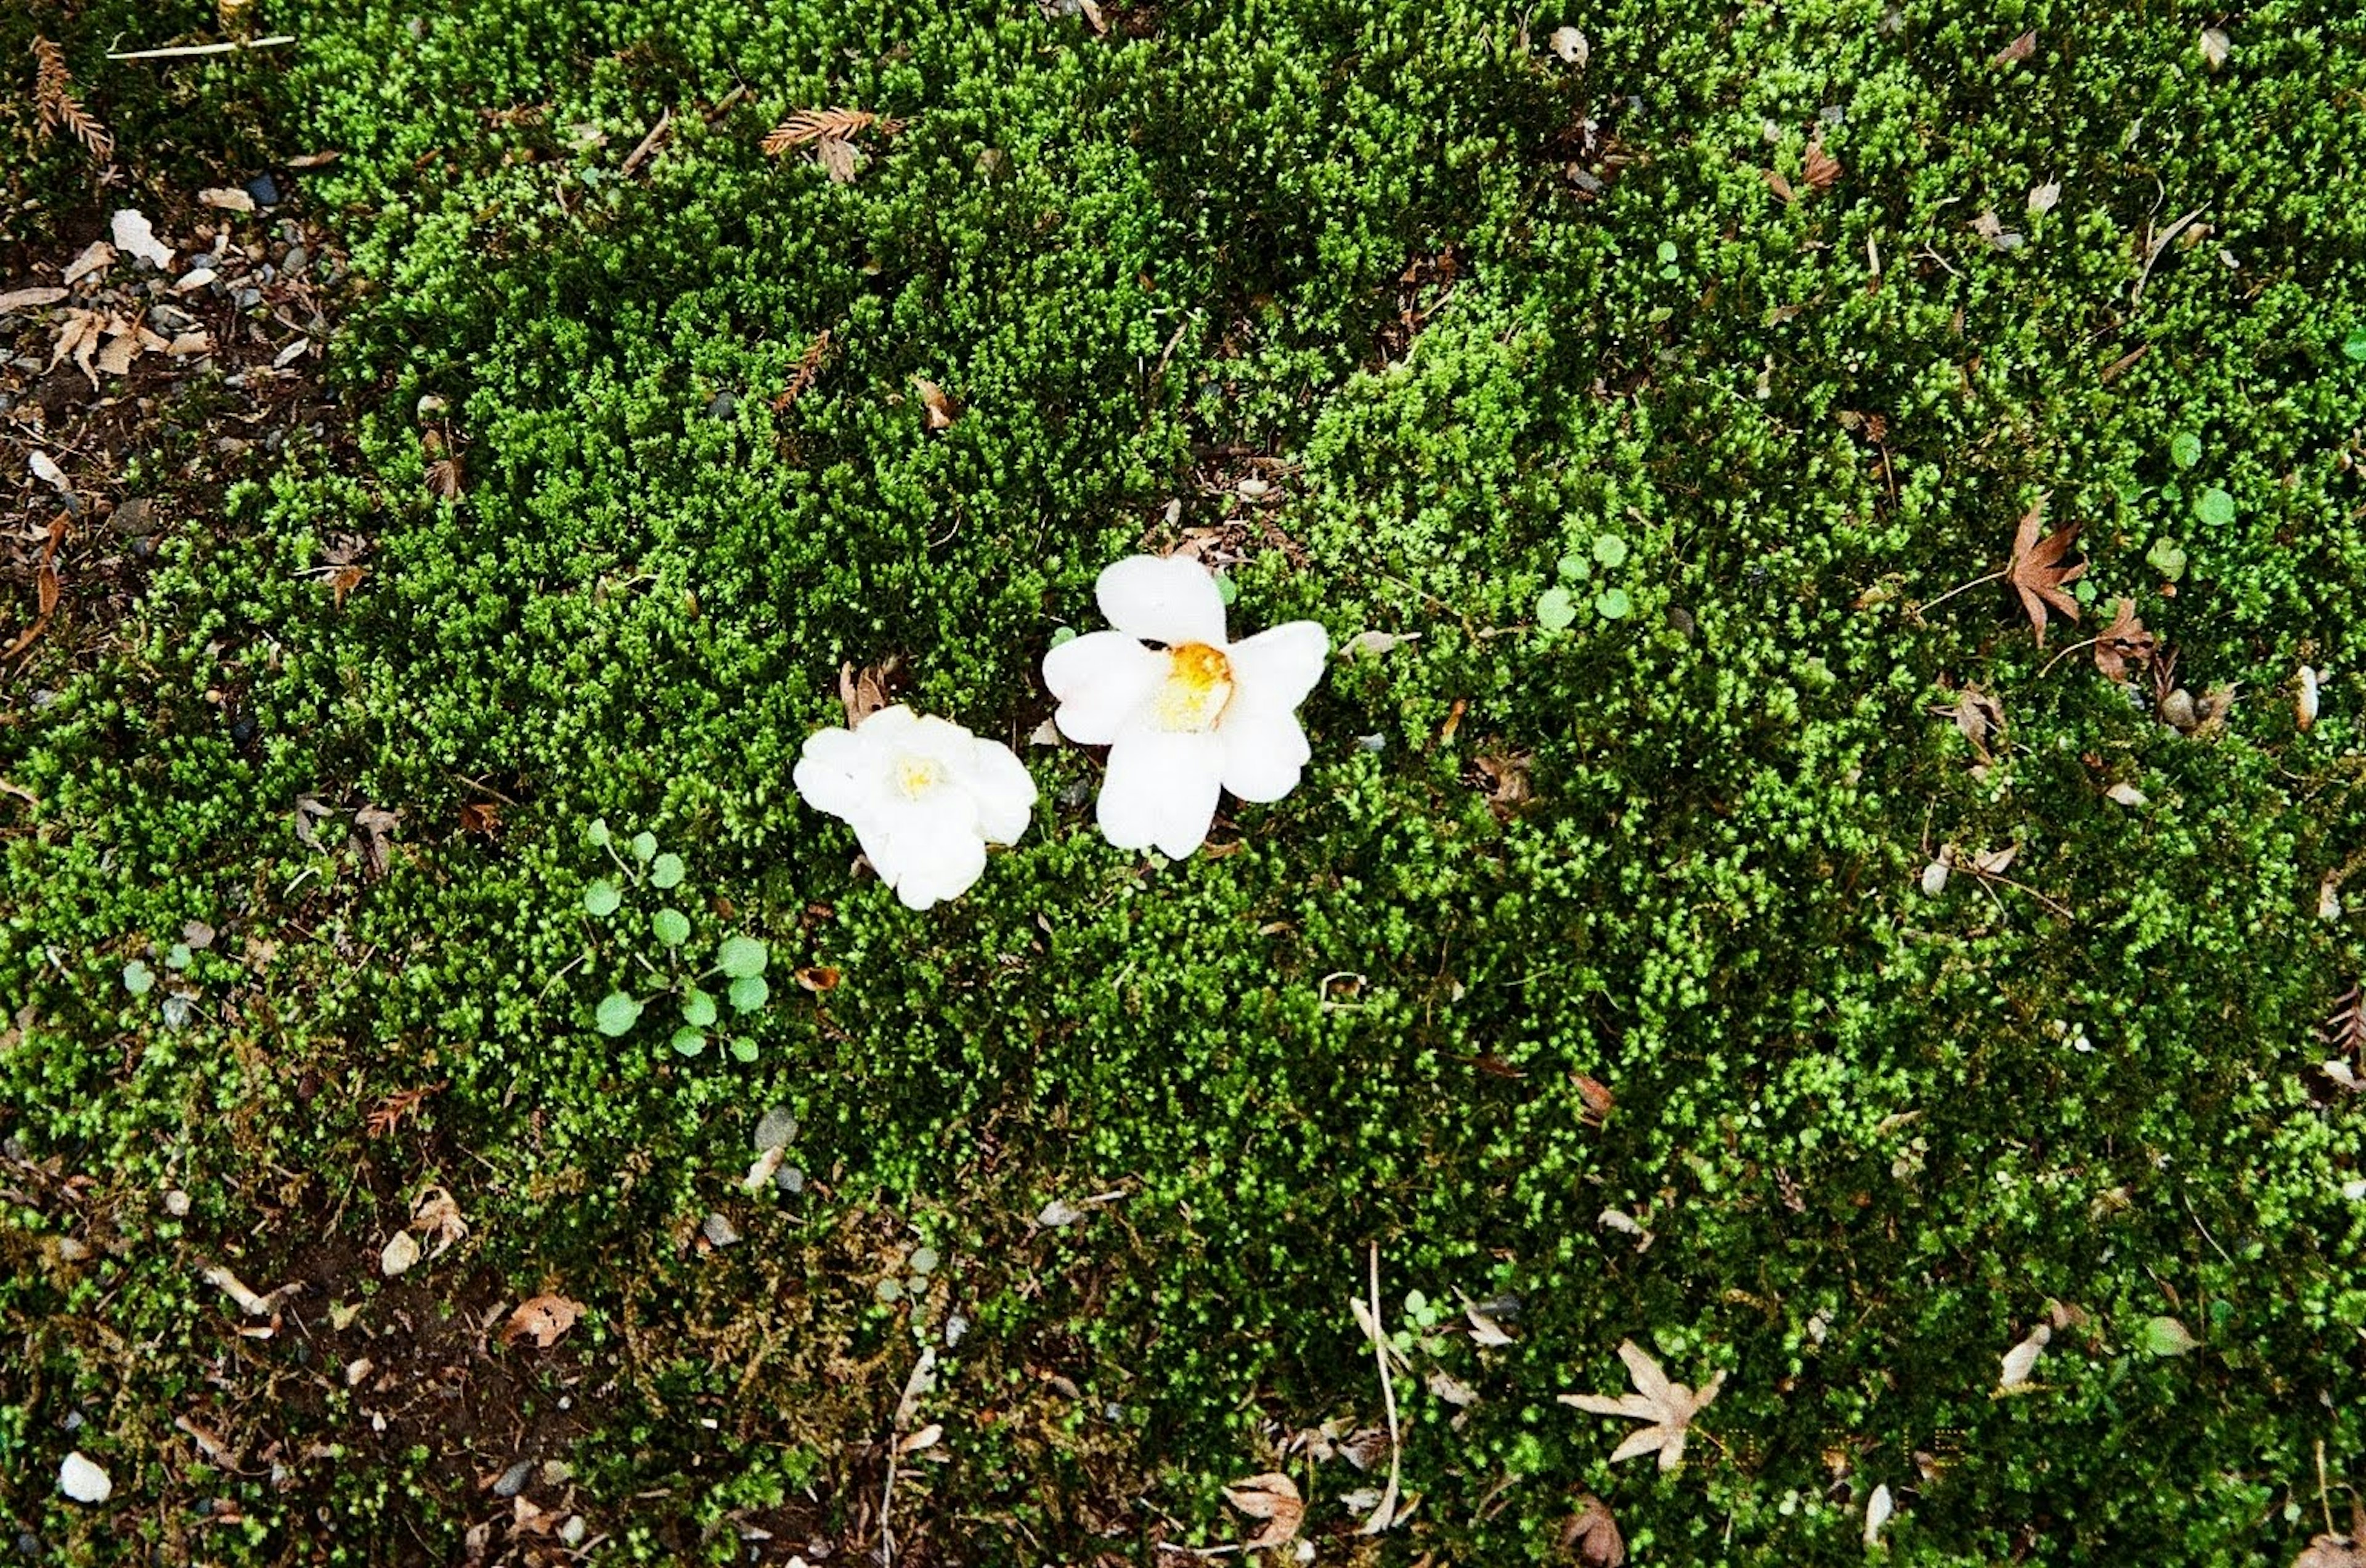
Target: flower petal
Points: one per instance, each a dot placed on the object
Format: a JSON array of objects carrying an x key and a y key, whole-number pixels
[
  {"x": 1100, "y": 679},
  {"x": 927, "y": 852},
  {"x": 838, "y": 772},
  {"x": 1283, "y": 663},
  {"x": 1161, "y": 789},
  {"x": 1003, "y": 788},
  {"x": 1168, "y": 599},
  {"x": 1265, "y": 749}
]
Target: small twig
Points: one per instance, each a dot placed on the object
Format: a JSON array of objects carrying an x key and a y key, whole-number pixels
[
  {"x": 2322, "y": 1500},
  {"x": 1383, "y": 1515},
  {"x": 2153, "y": 250},
  {"x": 639, "y": 154},
  {"x": 1950, "y": 593},
  {"x": 2066, "y": 653},
  {"x": 2187, "y": 1200},
  {"x": 191, "y": 51}
]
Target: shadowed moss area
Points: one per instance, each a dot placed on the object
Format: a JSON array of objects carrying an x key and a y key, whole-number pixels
[{"x": 1488, "y": 329}]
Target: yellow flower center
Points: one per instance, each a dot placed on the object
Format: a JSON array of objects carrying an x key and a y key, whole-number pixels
[
  {"x": 1199, "y": 683},
  {"x": 916, "y": 776}
]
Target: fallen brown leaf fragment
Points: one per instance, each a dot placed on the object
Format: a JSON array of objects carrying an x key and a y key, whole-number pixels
[
  {"x": 2016, "y": 51},
  {"x": 1592, "y": 1534},
  {"x": 542, "y": 1319},
  {"x": 942, "y": 409},
  {"x": 2037, "y": 571},
  {"x": 2331, "y": 1552},
  {"x": 2125, "y": 643},
  {"x": 1273, "y": 1497},
  {"x": 1595, "y": 1100},
  {"x": 864, "y": 693},
  {"x": 1822, "y": 168},
  {"x": 1780, "y": 186},
  {"x": 1979, "y": 717}
]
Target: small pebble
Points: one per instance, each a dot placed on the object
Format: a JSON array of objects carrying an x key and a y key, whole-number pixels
[
  {"x": 293, "y": 263},
  {"x": 724, "y": 405},
  {"x": 513, "y": 1479},
  {"x": 264, "y": 189},
  {"x": 719, "y": 1231}
]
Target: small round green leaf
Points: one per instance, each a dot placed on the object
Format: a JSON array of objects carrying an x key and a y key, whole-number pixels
[
  {"x": 698, "y": 1009},
  {"x": 644, "y": 847},
  {"x": 689, "y": 1042},
  {"x": 741, "y": 956},
  {"x": 138, "y": 978},
  {"x": 178, "y": 956},
  {"x": 1556, "y": 609},
  {"x": 670, "y": 927},
  {"x": 2354, "y": 345},
  {"x": 1613, "y": 604},
  {"x": 666, "y": 871},
  {"x": 1062, "y": 634},
  {"x": 743, "y": 1049},
  {"x": 618, "y": 1014},
  {"x": 2084, "y": 591},
  {"x": 597, "y": 833},
  {"x": 1576, "y": 568},
  {"x": 749, "y": 992},
  {"x": 600, "y": 899},
  {"x": 2215, "y": 507},
  {"x": 2185, "y": 448},
  {"x": 1610, "y": 550},
  {"x": 1227, "y": 589},
  {"x": 1667, "y": 251},
  {"x": 2166, "y": 1336},
  {"x": 2165, "y": 557}
]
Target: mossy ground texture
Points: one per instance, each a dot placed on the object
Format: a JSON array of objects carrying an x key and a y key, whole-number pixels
[{"x": 1465, "y": 313}]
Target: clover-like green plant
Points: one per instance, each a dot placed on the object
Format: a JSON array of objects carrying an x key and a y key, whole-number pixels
[{"x": 739, "y": 959}]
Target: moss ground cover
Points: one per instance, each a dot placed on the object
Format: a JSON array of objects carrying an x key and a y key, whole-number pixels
[{"x": 1641, "y": 432}]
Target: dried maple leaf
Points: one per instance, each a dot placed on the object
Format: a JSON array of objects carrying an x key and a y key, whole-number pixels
[
  {"x": 2124, "y": 642},
  {"x": 2037, "y": 571},
  {"x": 542, "y": 1319},
  {"x": 1667, "y": 1407},
  {"x": 1592, "y": 1534},
  {"x": 1274, "y": 1498}
]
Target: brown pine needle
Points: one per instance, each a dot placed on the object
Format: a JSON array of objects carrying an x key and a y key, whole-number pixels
[
  {"x": 55, "y": 107},
  {"x": 826, "y": 125}
]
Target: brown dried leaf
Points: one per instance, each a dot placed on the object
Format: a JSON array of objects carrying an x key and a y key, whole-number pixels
[
  {"x": 542, "y": 1319},
  {"x": 817, "y": 979},
  {"x": 942, "y": 409},
  {"x": 375, "y": 825},
  {"x": 29, "y": 298},
  {"x": 2123, "y": 643},
  {"x": 1598, "y": 1097},
  {"x": 116, "y": 357},
  {"x": 1505, "y": 777},
  {"x": 1979, "y": 717},
  {"x": 56, "y": 108},
  {"x": 865, "y": 692},
  {"x": 1667, "y": 1407},
  {"x": 2016, "y": 51},
  {"x": 344, "y": 579},
  {"x": 2037, "y": 571},
  {"x": 444, "y": 478},
  {"x": 1822, "y": 168},
  {"x": 840, "y": 159},
  {"x": 1592, "y": 1534},
  {"x": 1779, "y": 186},
  {"x": 1274, "y": 1498},
  {"x": 227, "y": 199},
  {"x": 2345, "y": 1027}
]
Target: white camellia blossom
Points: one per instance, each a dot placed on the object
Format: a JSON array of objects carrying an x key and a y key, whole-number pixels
[
  {"x": 924, "y": 795},
  {"x": 1184, "y": 713}
]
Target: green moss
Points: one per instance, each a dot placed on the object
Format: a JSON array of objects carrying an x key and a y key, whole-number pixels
[{"x": 1857, "y": 1119}]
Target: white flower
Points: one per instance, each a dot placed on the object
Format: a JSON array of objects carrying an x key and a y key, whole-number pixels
[
  {"x": 1183, "y": 712},
  {"x": 924, "y": 796}
]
